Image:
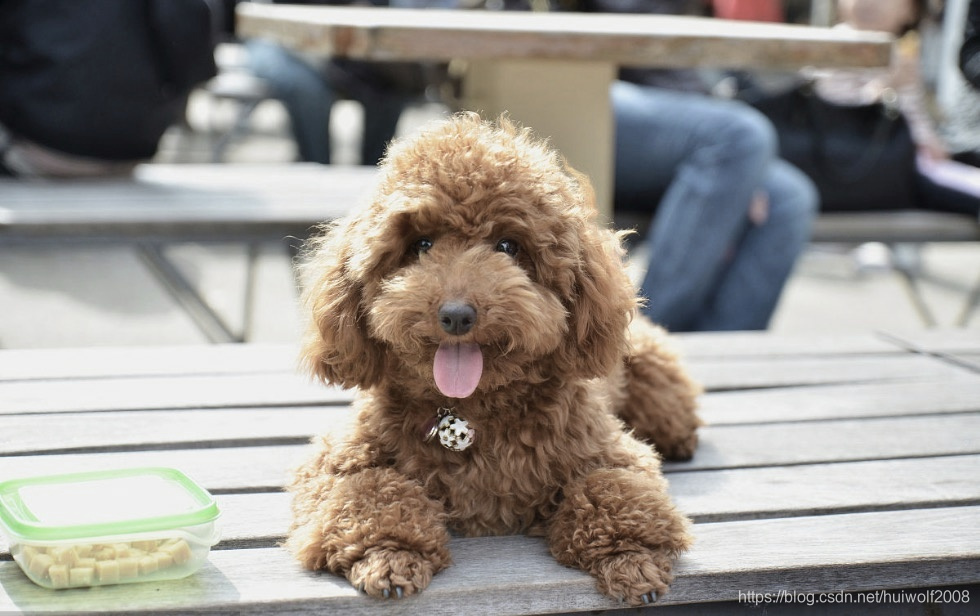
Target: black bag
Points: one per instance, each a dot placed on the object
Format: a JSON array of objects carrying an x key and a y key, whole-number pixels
[{"x": 861, "y": 157}]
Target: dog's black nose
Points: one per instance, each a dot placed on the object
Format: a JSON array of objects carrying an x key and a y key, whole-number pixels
[{"x": 457, "y": 318}]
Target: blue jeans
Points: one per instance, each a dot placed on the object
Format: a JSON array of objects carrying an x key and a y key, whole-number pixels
[
  {"x": 308, "y": 98},
  {"x": 698, "y": 162}
]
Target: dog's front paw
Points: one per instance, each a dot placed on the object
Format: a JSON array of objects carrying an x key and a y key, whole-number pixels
[
  {"x": 391, "y": 573},
  {"x": 635, "y": 577}
]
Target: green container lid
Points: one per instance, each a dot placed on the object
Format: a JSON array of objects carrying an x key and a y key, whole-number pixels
[{"x": 103, "y": 504}]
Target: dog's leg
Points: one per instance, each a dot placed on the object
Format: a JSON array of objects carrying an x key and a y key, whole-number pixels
[
  {"x": 620, "y": 526},
  {"x": 659, "y": 398},
  {"x": 375, "y": 526}
]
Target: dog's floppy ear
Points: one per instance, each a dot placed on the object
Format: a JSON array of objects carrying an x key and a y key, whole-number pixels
[
  {"x": 336, "y": 347},
  {"x": 603, "y": 300}
]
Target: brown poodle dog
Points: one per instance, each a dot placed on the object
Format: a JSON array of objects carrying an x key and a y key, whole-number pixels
[{"x": 485, "y": 318}]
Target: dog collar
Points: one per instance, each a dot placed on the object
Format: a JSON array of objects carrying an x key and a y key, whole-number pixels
[{"x": 454, "y": 432}]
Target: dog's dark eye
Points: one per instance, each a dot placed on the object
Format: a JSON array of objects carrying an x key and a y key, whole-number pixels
[
  {"x": 422, "y": 245},
  {"x": 507, "y": 247}
]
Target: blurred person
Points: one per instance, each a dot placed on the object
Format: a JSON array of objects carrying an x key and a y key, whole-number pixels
[
  {"x": 88, "y": 88},
  {"x": 970, "y": 50},
  {"x": 963, "y": 121},
  {"x": 940, "y": 182},
  {"x": 308, "y": 86},
  {"x": 730, "y": 218}
]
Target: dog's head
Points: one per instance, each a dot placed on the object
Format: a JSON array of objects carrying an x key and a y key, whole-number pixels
[{"x": 477, "y": 264}]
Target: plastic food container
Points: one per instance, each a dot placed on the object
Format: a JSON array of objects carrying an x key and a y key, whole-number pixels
[{"x": 111, "y": 527}]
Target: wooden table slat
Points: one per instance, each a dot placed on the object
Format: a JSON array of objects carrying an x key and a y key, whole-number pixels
[
  {"x": 850, "y": 401},
  {"x": 760, "y": 373},
  {"x": 747, "y": 345},
  {"x": 218, "y": 469},
  {"x": 124, "y": 362},
  {"x": 827, "y": 488},
  {"x": 834, "y": 441},
  {"x": 156, "y": 393},
  {"x": 280, "y": 389},
  {"x": 959, "y": 340},
  {"x": 723, "y": 446},
  {"x": 170, "y": 429},
  {"x": 115, "y": 362}
]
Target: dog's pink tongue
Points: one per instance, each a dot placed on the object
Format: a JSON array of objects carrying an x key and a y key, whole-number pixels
[{"x": 457, "y": 369}]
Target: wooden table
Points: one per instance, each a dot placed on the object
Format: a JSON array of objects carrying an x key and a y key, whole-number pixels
[
  {"x": 830, "y": 464},
  {"x": 552, "y": 71}
]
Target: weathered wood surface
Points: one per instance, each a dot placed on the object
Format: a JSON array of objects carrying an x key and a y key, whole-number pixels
[
  {"x": 165, "y": 392},
  {"x": 810, "y": 554},
  {"x": 26, "y": 364},
  {"x": 126, "y": 362},
  {"x": 826, "y": 465},
  {"x": 722, "y": 446},
  {"x": 278, "y": 385},
  {"x": 626, "y": 40},
  {"x": 186, "y": 201},
  {"x": 858, "y": 401},
  {"x": 754, "y": 374},
  {"x": 747, "y": 345}
]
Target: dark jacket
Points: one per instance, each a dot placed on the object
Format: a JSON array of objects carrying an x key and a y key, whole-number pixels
[{"x": 100, "y": 79}]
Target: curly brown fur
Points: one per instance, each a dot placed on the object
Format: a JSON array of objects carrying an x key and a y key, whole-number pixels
[
  {"x": 482, "y": 215},
  {"x": 655, "y": 396}
]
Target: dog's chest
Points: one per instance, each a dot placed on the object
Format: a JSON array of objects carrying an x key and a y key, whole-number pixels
[
  {"x": 506, "y": 482},
  {"x": 525, "y": 449}
]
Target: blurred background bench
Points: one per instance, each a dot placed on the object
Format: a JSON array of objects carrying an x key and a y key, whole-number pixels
[
  {"x": 167, "y": 204},
  {"x": 905, "y": 232}
]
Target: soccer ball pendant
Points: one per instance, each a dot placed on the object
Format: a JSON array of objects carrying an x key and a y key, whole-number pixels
[{"x": 454, "y": 433}]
